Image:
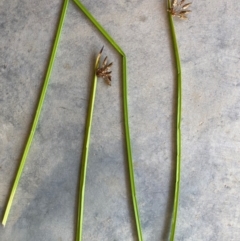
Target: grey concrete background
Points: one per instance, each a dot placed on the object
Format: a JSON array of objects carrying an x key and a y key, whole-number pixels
[{"x": 45, "y": 203}]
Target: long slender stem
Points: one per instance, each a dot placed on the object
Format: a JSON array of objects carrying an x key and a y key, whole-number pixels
[
  {"x": 37, "y": 115},
  {"x": 125, "y": 110},
  {"x": 85, "y": 156},
  {"x": 129, "y": 151},
  {"x": 179, "y": 116}
]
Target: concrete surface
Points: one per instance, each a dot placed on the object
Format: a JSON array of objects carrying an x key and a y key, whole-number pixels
[{"x": 45, "y": 203}]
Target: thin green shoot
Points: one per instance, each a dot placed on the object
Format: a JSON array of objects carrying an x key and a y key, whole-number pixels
[
  {"x": 179, "y": 116},
  {"x": 85, "y": 154},
  {"x": 125, "y": 112},
  {"x": 37, "y": 115}
]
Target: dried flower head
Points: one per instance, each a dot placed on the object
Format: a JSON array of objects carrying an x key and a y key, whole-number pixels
[
  {"x": 104, "y": 71},
  {"x": 180, "y": 9}
]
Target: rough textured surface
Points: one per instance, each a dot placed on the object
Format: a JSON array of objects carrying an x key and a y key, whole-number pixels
[{"x": 45, "y": 203}]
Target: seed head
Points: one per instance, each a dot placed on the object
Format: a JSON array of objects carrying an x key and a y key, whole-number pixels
[
  {"x": 104, "y": 71},
  {"x": 179, "y": 9}
]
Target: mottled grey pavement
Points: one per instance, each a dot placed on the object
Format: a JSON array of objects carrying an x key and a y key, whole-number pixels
[{"x": 45, "y": 202}]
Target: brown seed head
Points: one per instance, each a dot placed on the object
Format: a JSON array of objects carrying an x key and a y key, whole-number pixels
[
  {"x": 104, "y": 71},
  {"x": 180, "y": 9}
]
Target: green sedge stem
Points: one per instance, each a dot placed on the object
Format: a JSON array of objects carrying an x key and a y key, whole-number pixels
[
  {"x": 85, "y": 157},
  {"x": 129, "y": 151},
  {"x": 37, "y": 115},
  {"x": 125, "y": 110},
  {"x": 179, "y": 116},
  {"x": 98, "y": 26}
]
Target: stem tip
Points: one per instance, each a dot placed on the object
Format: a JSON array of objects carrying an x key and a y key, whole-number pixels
[{"x": 101, "y": 49}]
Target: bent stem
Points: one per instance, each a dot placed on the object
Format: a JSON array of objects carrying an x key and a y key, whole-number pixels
[
  {"x": 125, "y": 111},
  {"x": 179, "y": 114},
  {"x": 85, "y": 154},
  {"x": 37, "y": 115}
]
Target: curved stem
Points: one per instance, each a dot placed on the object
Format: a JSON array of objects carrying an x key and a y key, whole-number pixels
[
  {"x": 179, "y": 114},
  {"x": 125, "y": 110},
  {"x": 37, "y": 115}
]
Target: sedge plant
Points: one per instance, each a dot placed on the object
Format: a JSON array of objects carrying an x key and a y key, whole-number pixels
[
  {"x": 126, "y": 127},
  {"x": 178, "y": 9},
  {"x": 39, "y": 108},
  {"x": 84, "y": 162},
  {"x": 37, "y": 114}
]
